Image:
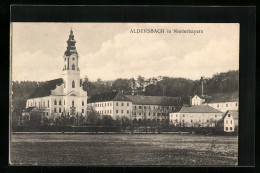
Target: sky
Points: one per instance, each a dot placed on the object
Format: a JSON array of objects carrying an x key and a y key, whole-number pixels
[{"x": 110, "y": 51}]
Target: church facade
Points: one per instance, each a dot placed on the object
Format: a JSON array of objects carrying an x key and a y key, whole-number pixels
[{"x": 63, "y": 95}]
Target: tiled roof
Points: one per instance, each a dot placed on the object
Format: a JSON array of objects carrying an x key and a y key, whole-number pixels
[
  {"x": 224, "y": 97},
  {"x": 45, "y": 89},
  {"x": 154, "y": 100},
  {"x": 108, "y": 96},
  {"x": 198, "y": 109},
  {"x": 234, "y": 114}
]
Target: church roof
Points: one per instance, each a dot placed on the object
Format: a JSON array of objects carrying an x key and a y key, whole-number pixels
[
  {"x": 108, "y": 96},
  {"x": 198, "y": 109},
  {"x": 45, "y": 89},
  {"x": 154, "y": 100}
]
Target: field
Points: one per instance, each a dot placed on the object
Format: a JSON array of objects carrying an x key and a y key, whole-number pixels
[{"x": 122, "y": 149}]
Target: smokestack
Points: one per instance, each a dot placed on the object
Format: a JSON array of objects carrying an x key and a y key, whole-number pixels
[{"x": 190, "y": 100}]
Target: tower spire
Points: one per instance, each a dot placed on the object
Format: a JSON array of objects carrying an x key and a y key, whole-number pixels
[{"x": 71, "y": 48}]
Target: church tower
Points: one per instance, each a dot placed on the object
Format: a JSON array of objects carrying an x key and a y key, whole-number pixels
[{"x": 71, "y": 72}]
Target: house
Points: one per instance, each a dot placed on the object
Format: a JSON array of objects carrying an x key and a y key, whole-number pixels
[
  {"x": 230, "y": 121},
  {"x": 153, "y": 107},
  {"x": 65, "y": 94},
  {"x": 115, "y": 104},
  {"x": 224, "y": 101},
  {"x": 195, "y": 116}
]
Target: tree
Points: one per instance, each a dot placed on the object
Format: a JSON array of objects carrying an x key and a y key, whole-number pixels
[
  {"x": 107, "y": 120},
  {"x": 93, "y": 118}
]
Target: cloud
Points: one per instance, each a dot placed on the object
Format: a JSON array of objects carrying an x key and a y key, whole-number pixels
[{"x": 128, "y": 56}]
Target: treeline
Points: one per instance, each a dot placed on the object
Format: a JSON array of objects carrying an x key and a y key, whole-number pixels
[{"x": 167, "y": 86}]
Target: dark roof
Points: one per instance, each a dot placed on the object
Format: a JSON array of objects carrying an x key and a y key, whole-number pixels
[
  {"x": 108, "y": 96},
  {"x": 45, "y": 89},
  {"x": 198, "y": 109},
  {"x": 224, "y": 97},
  {"x": 234, "y": 114},
  {"x": 154, "y": 100}
]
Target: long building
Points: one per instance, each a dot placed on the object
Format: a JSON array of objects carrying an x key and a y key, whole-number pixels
[{"x": 136, "y": 107}]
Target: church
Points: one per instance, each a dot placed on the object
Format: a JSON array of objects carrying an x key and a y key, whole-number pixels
[{"x": 63, "y": 95}]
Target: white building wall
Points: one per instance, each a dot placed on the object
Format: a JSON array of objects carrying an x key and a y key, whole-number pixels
[
  {"x": 196, "y": 100},
  {"x": 229, "y": 123},
  {"x": 224, "y": 106},
  {"x": 191, "y": 119}
]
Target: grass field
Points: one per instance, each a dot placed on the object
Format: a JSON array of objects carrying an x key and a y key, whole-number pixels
[{"x": 122, "y": 149}]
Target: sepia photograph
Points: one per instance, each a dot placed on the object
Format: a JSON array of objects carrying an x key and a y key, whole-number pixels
[{"x": 124, "y": 94}]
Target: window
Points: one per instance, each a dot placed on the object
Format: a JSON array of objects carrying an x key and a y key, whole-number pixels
[
  {"x": 144, "y": 107},
  {"x": 176, "y": 115},
  {"x": 226, "y": 105},
  {"x": 43, "y": 103},
  {"x": 226, "y": 128},
  {"x": 207, "y": 120},
  {"x": 228, "y": 115},
  {"x": 140, "y": 113},
  {"x": 110, "y": 104},
  {"x": 55, "y": 102},
  {"x": 72, "y": 102},
  {"x": 144, "y": 114},
  {"x": 153, "y": 114},
  {"x": 116, "y": 104},
  {"x": 183, "y": 121},
  {"x": 236, "y": 104},
  {"x": 215, "y": 116},
  {"x": 140, "y": 107},
  {"x": 60, "y": 102},
  {"x": 65, "y": 68},
  {"x": 48, "y": 104},
  {"x": 122, "y": 104},
  {"x": 105, "y": 104},
  {"x": 199, "y": 121},
  {"x": 134, "y": 113},
  {"x": 55, "y": 110},
  {"x": 59, "y": 110},
  {"x": 127, "y": 111},
  {"x": 82, "y": 111},
  {"x": 218, "y": 105},
  {"x": 117, "y": 111},
  {"x": 135, "y": 107},
  {"x": 230, "y": 128},
  {"x": 73, "y": 84},
  {"x": 73, "y": 67},
  {"x": 191, "y": 121},
  {"x": 122, "y": 111},
  {"x": 183, "y": 115},
  {"x": 111, "y": 111},
  {"x": 149, "y": 114},
  {"x": 102, "y": 104},
  {"x": 127, "y": 104},
  {"x": 46, "y": 113},
  {"x": 64, "y": 102},
  {"x": 82, "y": 103}
]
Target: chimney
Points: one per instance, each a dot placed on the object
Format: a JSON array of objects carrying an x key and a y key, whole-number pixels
[{"x": 190, "y": 99}]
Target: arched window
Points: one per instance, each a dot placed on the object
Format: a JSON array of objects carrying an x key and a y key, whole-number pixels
[
  {"x": 60, "y": 102},
  {"x": 55, "y": 102},
  {"x": 73, "y": 84},
  {"x": 73, "y": 67}
]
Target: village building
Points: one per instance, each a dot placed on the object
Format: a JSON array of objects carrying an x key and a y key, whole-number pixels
[
  {"x": 153, "y": 107},
  {"x": 115, "y": 104},
  {"x": 224, "y": 102},
  {"x": 135, "y": 107},
  {"x": 230, "y": 121},
  {"x": 196, "y": 116},
  {"x": 63, "y": 95}
]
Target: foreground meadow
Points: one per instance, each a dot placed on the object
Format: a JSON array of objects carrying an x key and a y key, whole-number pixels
[{"x": 122, "y": 149}]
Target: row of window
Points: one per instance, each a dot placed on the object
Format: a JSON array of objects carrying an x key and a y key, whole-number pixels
[
  {"x": 183, "y": 121},
  {"x": 154, "y": 107},
  {"x": 55, "y": 102},
  {"x": 190, "y": 115},
  {"x": 229, "y": 128},
  {"x": 122, "y": 111},
  {"x": 35, "y": 104},
  {"x": 227, "y": 121},
  {"x": 227, "y": 105},
  {"x": 55, "y": 110},
  {"x": 101, "y": 104},
  {"x": 105, "y": 112}
]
